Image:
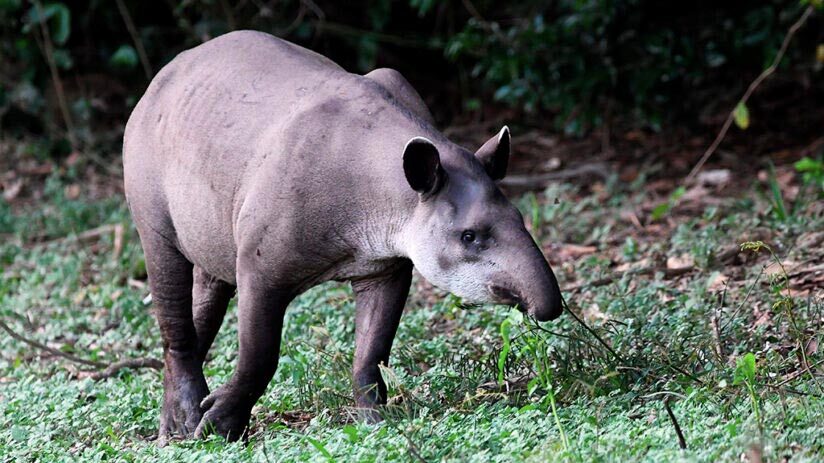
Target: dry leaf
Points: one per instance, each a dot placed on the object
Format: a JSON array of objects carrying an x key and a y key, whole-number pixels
[
  {"x": 72, "y": 191},
  {"x": 717, "y": 282},
  {"x": 628, "y": 266},
  {"x": 714, "y": 177},
  {"x": 680, "y": 262},
  {"x": 11, "y": 190}
]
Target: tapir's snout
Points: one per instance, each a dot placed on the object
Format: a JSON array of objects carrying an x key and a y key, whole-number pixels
[
  {"x": 529, "y": 283},
  {"x": 548, "y": 305},
  {"x": 544, "y": 308}
]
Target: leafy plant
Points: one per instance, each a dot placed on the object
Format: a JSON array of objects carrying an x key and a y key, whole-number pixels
[
  {"x": 812, "y": 172},
  {"x": 745, "y": 374}
]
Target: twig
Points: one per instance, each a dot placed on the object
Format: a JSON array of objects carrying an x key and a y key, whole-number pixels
[
  {"x": 114, "y": 368},
  {"x": 530, "y": 181},
  {"x": 591, "y": 331},
  {"x": 89, "y": 235},
  {"x": 681, "y": 441},
  {"x": 753, "y": 86},
  {"x": 51, "y": 350},
  {"x": 55, "y": 75},
  {"x": 470, "y": 8},
  {"x": 716, "y": 335},
  {"x": 106, "y": 370},
  {"x": 348, "y": 31},
  {"x": 796, "y": 374},
  {"x": 138, "y": 44}
]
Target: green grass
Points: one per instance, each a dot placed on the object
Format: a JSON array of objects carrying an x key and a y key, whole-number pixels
[{"x": 564, "y": 394}]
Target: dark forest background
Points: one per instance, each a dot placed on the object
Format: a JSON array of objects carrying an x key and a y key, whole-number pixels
[{"x": 71, "y": 71}]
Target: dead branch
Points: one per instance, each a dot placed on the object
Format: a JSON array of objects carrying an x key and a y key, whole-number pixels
[
  {"x": 753, "y": 86},
  {"x": 138, "y": 44},
  {"x": 48, "y": 50},
  {"x": 104, "y": 370},
  {"x": 91, "y": 235},
  {"x": 668, "y": 273},
  {"x": 137, "y": 363},
  {"x": 48, "y": 349},
  {"x": 537, "y": 180}
]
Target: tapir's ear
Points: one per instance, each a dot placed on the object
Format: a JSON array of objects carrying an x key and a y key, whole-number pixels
[
  {"x": 494, "y": 155},
  {"x": 422, "y": 166}
]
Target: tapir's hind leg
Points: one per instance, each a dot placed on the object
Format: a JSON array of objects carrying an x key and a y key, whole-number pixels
[
  {"x": 170, "y": 280},
  {"x": 210, "y": 298}
]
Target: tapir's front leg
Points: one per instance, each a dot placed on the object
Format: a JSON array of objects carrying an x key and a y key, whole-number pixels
[{"x": 379, "y": 303}]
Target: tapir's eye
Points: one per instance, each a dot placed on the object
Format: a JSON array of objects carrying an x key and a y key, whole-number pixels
[{"x": 468, "y": 236}]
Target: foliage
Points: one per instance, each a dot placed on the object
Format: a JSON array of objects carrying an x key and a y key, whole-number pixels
[
  {"x": 582, "y": 58},
  {"x": 588, "y": 390},
  {"x": 577, "y": 63}
]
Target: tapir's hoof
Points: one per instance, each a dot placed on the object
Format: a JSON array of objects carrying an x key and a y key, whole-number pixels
[
  {"x": 181, "y": 412},
  {"x": 223, "y": 416}
]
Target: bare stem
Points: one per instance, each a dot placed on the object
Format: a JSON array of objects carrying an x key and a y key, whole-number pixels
[
  {"x": 138, "y": 44},
  {"x": 753, "y": 86}
]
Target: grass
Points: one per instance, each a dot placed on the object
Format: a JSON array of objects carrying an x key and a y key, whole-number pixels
[{"x": 480, "y": 384}]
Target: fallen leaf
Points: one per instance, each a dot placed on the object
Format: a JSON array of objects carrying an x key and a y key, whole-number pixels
[
  {"x": 629, "y": 266},
  {"x": 717, "y": 282},
  {"x": 574, "y": 251},
  {"x": 10, "y": 191},
  {"x": 73, "y": 158},
  {"x": 594, "y": 313},
  {"x": 682, "y": 261},
  {"x": 552, "y": 163},
  {"x": 714, "y": 177},
  {"x": 72, "y": 191}
]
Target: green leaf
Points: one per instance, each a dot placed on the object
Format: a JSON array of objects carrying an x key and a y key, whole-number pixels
[
  {"x": 351, "y": 433},
  {"x": 742, "y": 116},
  {"x": 10, "y": 5},
  {"x": 321, "y": 448},
  {"x": 660, "y": 210},
  {"x": 678, "y": 193},
  {"x": 504, "y": 350},
  {"x": 807, "y": 164},
  {"x": 124, "y": 58},
  {"x": 60, "y": 27},
  {"x": 745, "y": 369}
]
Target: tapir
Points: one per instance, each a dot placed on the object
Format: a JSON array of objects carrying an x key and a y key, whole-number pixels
[{"x": 255, "y": 166}]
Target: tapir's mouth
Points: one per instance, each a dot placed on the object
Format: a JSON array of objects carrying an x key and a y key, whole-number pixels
[{"x": 507, "y": 296}]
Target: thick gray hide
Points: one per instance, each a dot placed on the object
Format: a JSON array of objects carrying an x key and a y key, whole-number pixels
[{"x": 252, "y": 164}]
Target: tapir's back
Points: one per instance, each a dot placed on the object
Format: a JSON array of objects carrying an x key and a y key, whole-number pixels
[
  {"x": 195, "y": 136},
  {"x": 228, "y": 89},
  {"x": 247, "y": 114}
]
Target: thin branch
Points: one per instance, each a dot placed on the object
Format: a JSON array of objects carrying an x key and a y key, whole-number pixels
[
  {"x": 48, "y": 50},
  {"x": 138, "y": 44},
  {"x": 347, "y": 31},
  {"x": 114, "y": 368},
  {"x": 470, "y": 8},
  {"x": 51, "y": 350},
  {"x": 105, "y": 370},
  {"x": 591, "y": 331},
  {"x": 753, "y": 86},
  {"x": 681, "y": 441}
]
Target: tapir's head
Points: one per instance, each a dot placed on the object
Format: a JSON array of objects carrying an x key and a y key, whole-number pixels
[{"x": 466, "y": 237}]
